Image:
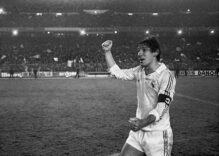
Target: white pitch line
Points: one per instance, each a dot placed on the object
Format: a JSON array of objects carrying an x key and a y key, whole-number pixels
[
  {"x": 115, "y": 154},
  {"x": 196, "y": 138},
  {"x": 197, "y": 99}
]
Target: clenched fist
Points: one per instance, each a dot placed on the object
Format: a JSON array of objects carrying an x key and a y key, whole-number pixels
[
  {"x": 107, "y": 45},
  {"x": 135, "y": 124}
]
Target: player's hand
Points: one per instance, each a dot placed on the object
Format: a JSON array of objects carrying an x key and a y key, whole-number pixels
[
  {"x": 135, "y": 124},
  {"x": 107, "y": 45}
]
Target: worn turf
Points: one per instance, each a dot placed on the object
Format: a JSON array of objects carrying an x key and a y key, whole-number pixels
[{"x": 60, "y": 117}]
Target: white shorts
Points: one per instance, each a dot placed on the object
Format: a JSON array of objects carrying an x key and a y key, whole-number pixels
[{"x": 152, "y": 143}]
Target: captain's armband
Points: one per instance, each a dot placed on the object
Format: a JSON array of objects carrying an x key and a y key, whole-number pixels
[{"x": 164, "y": 98}]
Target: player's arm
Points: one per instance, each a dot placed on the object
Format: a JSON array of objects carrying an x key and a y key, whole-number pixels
[
  {"x": 165, "y": 96},
  {"x": 127, "y": 74},
  {"x": 107, "y": 46},
  {"x": 137, "y": 124}
]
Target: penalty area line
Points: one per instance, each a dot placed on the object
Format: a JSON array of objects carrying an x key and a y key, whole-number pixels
[{"x": 197, "y": 99}]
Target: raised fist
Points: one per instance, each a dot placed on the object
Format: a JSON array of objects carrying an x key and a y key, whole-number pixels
[{"x": 107, "y": 45}]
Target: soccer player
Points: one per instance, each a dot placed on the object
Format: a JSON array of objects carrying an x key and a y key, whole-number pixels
[
  {"x": 35, "y": 70},
  {"x": 151, "y": 132},
  {"x": 77, "y": 73},
  {"x": 11, "y": 72}
]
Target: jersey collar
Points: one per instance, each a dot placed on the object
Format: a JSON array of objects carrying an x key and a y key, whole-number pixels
[{"x": 161, "y": 68}]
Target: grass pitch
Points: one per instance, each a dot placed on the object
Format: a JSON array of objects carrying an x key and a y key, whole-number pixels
[{"x": 60, "y": 117}]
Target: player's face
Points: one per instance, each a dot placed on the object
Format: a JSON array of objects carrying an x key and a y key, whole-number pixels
[{"x": 145, "y": 55}]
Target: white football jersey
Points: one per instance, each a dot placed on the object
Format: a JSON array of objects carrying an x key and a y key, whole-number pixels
[{"x": 149, "y": 87}]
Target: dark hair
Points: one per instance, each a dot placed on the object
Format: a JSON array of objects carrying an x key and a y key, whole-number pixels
[{"x": 153, "y": 44}]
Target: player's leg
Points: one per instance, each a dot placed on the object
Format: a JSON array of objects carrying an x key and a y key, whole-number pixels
[
  {"x": 158, "y": 143},
  {"x": 133, "y": 146},
  {"x": 129, "y": 150}
]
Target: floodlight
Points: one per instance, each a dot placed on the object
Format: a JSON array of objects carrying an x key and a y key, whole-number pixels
[
  {"x": 2, "y": 11},
  {"x": 58, "y": 14},
  {"x": 212, "y": 31},
  {"x": 82, "y": 32},
  {"x": 179, "y": 32},
  {"x": 15, "y": 32},
  {"x": 155, "y": 14},
  {"x": 39, "y": 14}
]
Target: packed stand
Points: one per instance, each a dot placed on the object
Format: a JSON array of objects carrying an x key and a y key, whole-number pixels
[{"x": 64, "y": 52}]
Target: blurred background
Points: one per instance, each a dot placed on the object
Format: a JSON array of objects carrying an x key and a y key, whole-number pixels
[{"x": 62, "y": 35}]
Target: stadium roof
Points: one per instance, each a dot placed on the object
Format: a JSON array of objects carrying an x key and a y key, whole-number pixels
[
  {"x": 114, "y": 5},
  {"x": 201, "y": 14}
]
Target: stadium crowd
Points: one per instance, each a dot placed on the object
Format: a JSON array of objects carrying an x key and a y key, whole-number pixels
[
  {"x": 66, "y": 51},
  {"x": 83, "y": 19}
]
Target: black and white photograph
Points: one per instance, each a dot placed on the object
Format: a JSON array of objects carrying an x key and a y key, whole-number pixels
[{"x": 109, "y": 78}]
